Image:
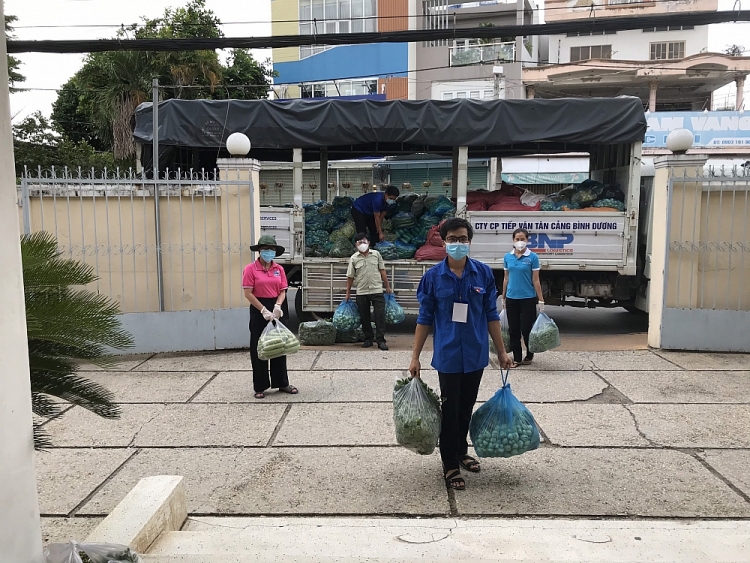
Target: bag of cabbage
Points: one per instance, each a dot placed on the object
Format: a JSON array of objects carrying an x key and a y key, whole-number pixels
[{"x": 503, "y": 426}]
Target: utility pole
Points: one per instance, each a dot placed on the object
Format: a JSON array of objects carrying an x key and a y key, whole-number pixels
[
  {"x": 20, "y": 531},
  {"x": 498, "y": 72},
  {"x": 157, "y": 214}
]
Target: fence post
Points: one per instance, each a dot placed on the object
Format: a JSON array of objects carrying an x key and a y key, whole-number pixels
[
  {"x": 674, "y": 190},
  {"x": 157, "y": 212},
  {"x": 26, "y": 205}
]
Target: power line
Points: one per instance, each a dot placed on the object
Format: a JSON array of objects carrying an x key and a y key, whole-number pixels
[{"x": 557, "y": 28}]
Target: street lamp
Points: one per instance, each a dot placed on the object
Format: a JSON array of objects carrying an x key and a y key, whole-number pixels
[{"x": 238, "y": 144}]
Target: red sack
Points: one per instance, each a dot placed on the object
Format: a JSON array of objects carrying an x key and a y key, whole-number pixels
[
  {"x": 477, "y": 197},
  {"x": 514, "y": 204},
  {"x": 477, "y": 206},
  {"x": 433, "y": 237},
  {"x": 430, "y": 252}
]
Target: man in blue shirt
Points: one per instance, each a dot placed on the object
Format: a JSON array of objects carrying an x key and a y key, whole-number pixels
[
  {"x": 368, "y": 211},
  {"x": 458, "y": 298}
]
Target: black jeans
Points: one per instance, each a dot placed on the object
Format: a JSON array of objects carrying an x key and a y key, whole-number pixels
[
  {"x": 459, "y": 393},
  {"x": 365, "y": 223},
  {"x": 378, "y": 305},
  {"x": 521, "y": 317},
  {"x": 262, "y": 379}
]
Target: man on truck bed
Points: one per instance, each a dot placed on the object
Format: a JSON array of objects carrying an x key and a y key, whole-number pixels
[{"x": 368, "y": 211}]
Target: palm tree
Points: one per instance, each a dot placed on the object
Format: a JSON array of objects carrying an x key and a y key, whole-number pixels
[
  {"x": 65, "y": 325},
  {"x": 116, "y": 82}
]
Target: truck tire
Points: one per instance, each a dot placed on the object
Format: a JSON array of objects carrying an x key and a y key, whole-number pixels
[{"x": 306, "y": 316}]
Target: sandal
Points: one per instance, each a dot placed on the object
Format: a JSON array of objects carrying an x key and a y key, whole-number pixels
[
  {"x": 454, "y": 480},
  {"x": 260, "y": 395},
  {"x": 515, "y": 364},
  {"x": 470, "y": 464},
  {"x": 527, "y": 360},
  {"x": 289, "y": 389}
]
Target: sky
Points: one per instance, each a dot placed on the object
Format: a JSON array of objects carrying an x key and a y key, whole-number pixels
[{"x": 47, "y": 72}]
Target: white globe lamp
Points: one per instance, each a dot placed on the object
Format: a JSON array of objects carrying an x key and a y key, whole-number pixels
[
  {"x": 679, "y": 141},
  {"x": 238, "y": 144}
]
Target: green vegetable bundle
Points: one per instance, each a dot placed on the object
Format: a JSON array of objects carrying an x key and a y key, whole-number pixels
[
  {"x": 544, "y": 335},
  {"x": 609, "y": 202},
  {"x": 341, "y": 249},
  {"x": 346, "y": 317},
  {"x": 416, "y": 415},
  {"x": 317, "y": 333},
  {"x": 505, "y": 330},
  {"x": 276, "y": 340},
  {"x": 503, "y": 426}
]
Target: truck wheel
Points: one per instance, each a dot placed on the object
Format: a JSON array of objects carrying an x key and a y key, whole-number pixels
[{"x": 306, "y": 316}]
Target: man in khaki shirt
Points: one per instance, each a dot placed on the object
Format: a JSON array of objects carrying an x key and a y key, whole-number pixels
[{"x": 367, "y": 270}]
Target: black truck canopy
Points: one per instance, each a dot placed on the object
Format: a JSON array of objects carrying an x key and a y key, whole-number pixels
[{"x": 357, "y": 128}]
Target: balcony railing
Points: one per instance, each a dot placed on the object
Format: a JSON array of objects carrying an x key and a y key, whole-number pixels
[{"x": 482, "y": 54}]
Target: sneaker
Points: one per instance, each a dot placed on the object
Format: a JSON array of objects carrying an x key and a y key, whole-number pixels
[
  {"x": 367, "y": 344},
  {"x": 382, "y": 346}
]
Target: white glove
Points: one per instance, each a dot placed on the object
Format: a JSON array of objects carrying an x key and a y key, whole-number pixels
[
  {"x": 268, "y": 315},
  {"x": 277, "y": 312},
  {"x": 540, "y": 307}
]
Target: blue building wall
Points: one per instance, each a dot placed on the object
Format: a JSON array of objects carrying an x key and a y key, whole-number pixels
[{"x": 347, "y": 61}]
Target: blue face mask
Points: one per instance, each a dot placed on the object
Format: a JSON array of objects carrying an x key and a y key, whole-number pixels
[
  {"x": 390, "y": 201},
  {"x": 457, "y": 250},
  {"x": 268, "y": 255}
]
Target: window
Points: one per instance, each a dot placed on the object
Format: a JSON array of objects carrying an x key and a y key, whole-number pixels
[
  {"x": 590, "y": 33},
  {"x": 339, "y": 88},
  {"x": 318, "y": 17},
  {"x": 590, "y": 52},
  {"x": 668, "y": 28},
  {"x": 667, "y": 50},
  {"x": 474, "y": 95},
  {"x": 447, "y": 95}
]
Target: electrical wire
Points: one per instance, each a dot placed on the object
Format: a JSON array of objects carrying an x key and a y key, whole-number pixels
[{"x": 419, "y": 35}]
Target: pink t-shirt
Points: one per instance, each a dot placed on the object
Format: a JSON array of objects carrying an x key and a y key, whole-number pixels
[{"x": 264, "y": 283}]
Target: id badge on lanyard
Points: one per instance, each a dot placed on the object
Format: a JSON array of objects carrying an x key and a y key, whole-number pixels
[{"x": 460, "y": 309}]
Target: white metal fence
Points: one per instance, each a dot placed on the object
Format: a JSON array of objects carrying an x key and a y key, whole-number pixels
[{"x": 108, "y": 220}]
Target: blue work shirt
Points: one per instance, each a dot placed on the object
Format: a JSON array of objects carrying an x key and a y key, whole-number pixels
[
  {"x": 458, "y": 347},
  {"x": 371, "y": 203},
  {"x": 519, "y": 272}
]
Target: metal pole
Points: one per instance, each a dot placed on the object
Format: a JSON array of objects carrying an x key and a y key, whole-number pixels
[
  {"x": 324, "y": 174},
  {"x": 157, "y": 214},
  {"x": 26, "y": 206}
]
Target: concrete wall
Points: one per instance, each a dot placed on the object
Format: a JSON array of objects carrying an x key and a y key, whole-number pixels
[
  {"x": 559, "y": 10},
  {"x": 632, "y": 45}
]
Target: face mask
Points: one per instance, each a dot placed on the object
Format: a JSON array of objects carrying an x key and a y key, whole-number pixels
[
  {"x": 520, "y": 245},
  {"x": 268, "y": 255},
  {"x": 457, "y": 251},
  {"x": 390, "y": 201},
  {"x": 363, "y": 247}
]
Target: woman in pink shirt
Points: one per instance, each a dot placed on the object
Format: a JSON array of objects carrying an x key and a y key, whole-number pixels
[{"x": 264, "y": 283}]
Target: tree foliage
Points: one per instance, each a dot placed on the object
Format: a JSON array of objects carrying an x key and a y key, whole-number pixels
[
  {"x": 735, "y": 50},
  {"x": 14, "y": 64},
  {"x": 98, "y": 103},
  {"x": 64, "y": 326}
]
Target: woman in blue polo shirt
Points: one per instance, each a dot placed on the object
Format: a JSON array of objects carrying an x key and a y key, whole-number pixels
[
  {"x": 522, "y": 294},
  {"x": 368, "y": 211}
]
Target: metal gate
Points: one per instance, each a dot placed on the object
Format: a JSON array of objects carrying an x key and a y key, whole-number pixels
[{"x": 706, "y": 281}]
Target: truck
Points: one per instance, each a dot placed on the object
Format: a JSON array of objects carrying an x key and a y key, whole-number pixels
[{"x": 588, "y": 258}]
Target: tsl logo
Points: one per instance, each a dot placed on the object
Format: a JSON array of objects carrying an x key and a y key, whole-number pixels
[{"x": 542, "y": 243}]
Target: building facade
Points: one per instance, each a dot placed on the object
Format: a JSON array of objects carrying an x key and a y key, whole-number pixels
[
  {"x": 466, "y": 68},
  {"x": 376, "y": 71}
]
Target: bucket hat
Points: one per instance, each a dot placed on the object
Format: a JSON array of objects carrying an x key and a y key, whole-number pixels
[{"x": 268, "y": 240}]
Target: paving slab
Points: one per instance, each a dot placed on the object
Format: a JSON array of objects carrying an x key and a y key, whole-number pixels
[
  {"x": 733, "y": 465},
  {"x": 371, "y": 359},
  {"x": 708, "y": 361},
  {"x": 81, "y": 428},
  {"x": 530, "y": 385},
  {"x": 599, "y": 482},
  {"x": 290, "y": 481},
  {"x": 64, "y": 530},
  {"x": 124, "y": 363},
  {"x": 314, "y": 386},
  {"x": 219, "y": 361},
  {"x": 632, "y": 360},
  {"x": 201, "y": 425},
  {"x": 559, "y": 361},
  {"x": 66, "y": 477},
  {"x": 151, "y": 387},
  {"x": 338, "y": 424},
  {"x": 682, "y": 386},
  {"x": 695, "y": 426},
  {"x": 587, "y": 425}
]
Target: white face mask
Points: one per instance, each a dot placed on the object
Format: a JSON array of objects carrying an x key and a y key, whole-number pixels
[
  {"x": 520, "y": 245},
  {"x": 363, "y": 247}
]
